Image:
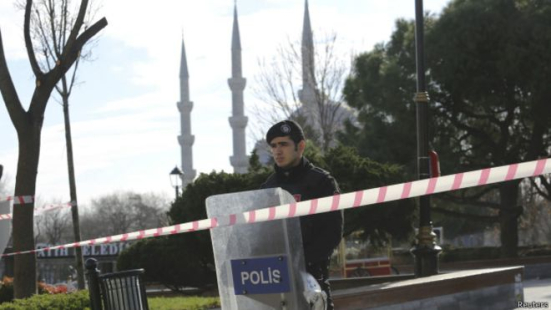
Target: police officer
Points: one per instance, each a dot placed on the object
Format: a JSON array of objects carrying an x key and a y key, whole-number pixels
[{"x": 321, "y": 233}]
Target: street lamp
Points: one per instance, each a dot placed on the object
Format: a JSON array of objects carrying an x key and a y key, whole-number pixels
[
  {"x": 425, "y": 250},
  {"x": 176, "y": 176}
]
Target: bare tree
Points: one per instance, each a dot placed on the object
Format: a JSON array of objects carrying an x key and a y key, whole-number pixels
[
  {"x": 542, "y": 185},
  {"x": 51, "y": 22},
  {"x": 535, "y": 221},
  {"x": 279, "y": 83},
  {"x": 52, "y": 227},
  {"x": 123, "y": 212},
  {"x": 28, "y": 125}
]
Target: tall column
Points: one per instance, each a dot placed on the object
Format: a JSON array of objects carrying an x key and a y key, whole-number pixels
[
  {"x": 307, "y": 52},
  {"x": 238, "y": 120},
  {"x": 185, "y": 106},
  {"x": 308, "y": 94}
]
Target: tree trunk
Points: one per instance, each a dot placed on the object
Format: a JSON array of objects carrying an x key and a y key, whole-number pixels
[
  {"x": 73, "y": 193},
  {"x": 23, "y": 232},
  {"x": 508, "y": 218},
  {"x": 28, "y": 125}
]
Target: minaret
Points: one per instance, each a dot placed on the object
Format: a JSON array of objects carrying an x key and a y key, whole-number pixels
[
  {"x": 308, "y": 76},
  {"x": 238, "y": 120},
  {"x": 185, "y": 106},
  {"x": 308, "y": 93}
]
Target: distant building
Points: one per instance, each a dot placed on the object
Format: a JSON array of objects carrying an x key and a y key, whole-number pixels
[
  {"x": 309, "y": 114},
  {"x": 58, "y": 266}
]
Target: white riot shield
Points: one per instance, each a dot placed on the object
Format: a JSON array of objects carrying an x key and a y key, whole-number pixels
[{"x": 260, "y": 265}]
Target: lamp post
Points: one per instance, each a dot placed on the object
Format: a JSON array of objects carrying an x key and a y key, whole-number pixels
[
  {"x": 176, "y": 179},
  {"x": 425, "y": 250}
]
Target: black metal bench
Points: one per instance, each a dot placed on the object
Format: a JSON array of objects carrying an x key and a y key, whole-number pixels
[{"x": 123, "y": 290}]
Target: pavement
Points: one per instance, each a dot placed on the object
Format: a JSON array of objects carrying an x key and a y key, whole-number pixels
[{"x": 537, "y": 292}]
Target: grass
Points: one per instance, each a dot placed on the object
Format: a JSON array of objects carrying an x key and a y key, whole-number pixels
[{"x": 183, "y": 303}]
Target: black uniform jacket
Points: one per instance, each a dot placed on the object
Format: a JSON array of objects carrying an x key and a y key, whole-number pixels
[{"x": 321, "y": 233}]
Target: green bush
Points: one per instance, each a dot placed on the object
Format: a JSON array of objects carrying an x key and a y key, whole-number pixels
[
  {"x": 72, "y": 301},
  {"x": 174, "y": 261},
  {"x": 6, "y": 290},
  {"x": 450, "y": 254}
]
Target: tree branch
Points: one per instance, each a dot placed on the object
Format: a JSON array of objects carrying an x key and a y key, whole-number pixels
[
  {"x": 50, "y": 8},
  {"x": 459, "y": 123},
  {"x": 72, "y": 40},
  {"x": 474, "y": 217},
  {"x": 479, "y": 194},
  {"x": 73, "y": 78},
  {"x": 63, "y": 29},
  {"x": 471, "y": 200},
  {"x": 9, "y": 93},
  {"x": 29, "y": 44},
  {"x": 545, "y": 184},
  {"x": 70, "y": 56},
  {"x": 48, "y": 53}
]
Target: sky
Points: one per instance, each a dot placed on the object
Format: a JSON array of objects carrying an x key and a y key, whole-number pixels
[{"x": 124, "y": 118}]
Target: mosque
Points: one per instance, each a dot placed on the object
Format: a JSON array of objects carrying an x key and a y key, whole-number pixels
[{"x": 309, "y": 98}]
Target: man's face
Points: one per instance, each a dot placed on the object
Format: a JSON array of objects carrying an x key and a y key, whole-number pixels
[{"x": 286, "y": 153}]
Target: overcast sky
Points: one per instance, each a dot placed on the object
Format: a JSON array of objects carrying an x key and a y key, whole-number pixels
[{"x": 124, "y": 117}]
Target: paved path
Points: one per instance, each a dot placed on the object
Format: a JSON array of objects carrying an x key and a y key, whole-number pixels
[{"x": 537, "y": 291}]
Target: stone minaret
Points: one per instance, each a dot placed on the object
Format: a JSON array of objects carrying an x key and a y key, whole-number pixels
[
  {"x": 185, "y": 106},
  {"x": 308, "y": 93},
  {"x": 238, "y": 120},
  {"x": 307, "y": 49}
]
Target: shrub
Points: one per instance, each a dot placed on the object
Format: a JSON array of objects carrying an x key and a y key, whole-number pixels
[
  {"x": 44, "y": 288},
  {"x": 450, "y": 254},
  {"x": 181, "y": 266},
  {"x": 73, "y": 301},
  {"x": 6, "y": 290}
]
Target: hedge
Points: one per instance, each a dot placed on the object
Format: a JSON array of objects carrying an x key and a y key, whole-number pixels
[{"x": 70, "y": 301}]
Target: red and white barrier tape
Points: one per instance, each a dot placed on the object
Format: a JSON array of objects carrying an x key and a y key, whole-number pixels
[
  {"x": 38, "y": 211},
  {"x": 5, "y": 217},
  {"x": 18, "y": 200},
  {"x": 336, "y": 202}
]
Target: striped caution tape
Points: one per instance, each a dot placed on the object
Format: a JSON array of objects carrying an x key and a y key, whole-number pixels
[
  {"x": 40, "y": 210},
  {"x": 18, "y": 200},
  {"x": 336, "y": 202}
]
